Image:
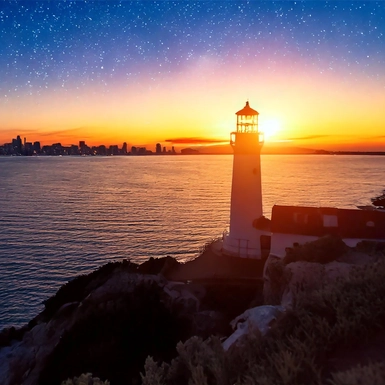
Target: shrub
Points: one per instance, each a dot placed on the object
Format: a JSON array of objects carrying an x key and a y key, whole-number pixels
[
  {"x": 85, "y": 379},
  {"x": 322, "y": 250},
  {"x": 295, "y": 350},
  {"x": 373, "y": 374}
]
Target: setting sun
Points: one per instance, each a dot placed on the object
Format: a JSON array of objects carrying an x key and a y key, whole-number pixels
[{"x": 271, "y": 128}]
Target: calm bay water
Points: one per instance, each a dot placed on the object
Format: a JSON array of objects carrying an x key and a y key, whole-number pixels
[{"x": 63, "y": 216}]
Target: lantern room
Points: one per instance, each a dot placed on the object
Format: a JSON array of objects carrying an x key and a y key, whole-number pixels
[
  {"x": 247, "y": 119},
  {"x": 247, "y": 123}
]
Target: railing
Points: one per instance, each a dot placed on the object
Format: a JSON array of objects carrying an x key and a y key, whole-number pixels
[
  {"x": 261, "y": 137},
  {"x": 238, "y": 247}
]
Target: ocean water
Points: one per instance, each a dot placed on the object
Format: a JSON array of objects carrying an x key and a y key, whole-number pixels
[{"x": 63, "y": 216}]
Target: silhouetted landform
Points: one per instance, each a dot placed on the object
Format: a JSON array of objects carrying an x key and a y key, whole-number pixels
[
  {"x": 224, "y": 149},
  {"x": 357, "y": 152},
  {"x": 325, "y": 152},
  {"x": 323, "y": 314},
  {"x": 379, "y": 202},
  {"x": 268, "y": 149},
  {"x": 189, "y": 151},
  {"x": 109, "y": 321}
]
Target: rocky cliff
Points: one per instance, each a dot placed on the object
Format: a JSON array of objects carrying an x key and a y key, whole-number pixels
[
  {"x": 109, "y": 321},
  {"x": 320, "y": 321}
]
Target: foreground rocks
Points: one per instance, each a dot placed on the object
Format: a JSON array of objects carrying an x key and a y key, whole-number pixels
[
  {"x": 331, "y": 332},
  {"x": 109, "y": 321},
  {"x": 259, "y": 318},
  {"x": 310, "y": 267}
]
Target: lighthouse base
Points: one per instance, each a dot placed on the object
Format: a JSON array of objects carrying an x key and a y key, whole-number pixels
[{"x": 257, "y": 248}]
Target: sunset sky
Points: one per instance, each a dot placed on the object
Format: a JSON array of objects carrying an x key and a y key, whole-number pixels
[{"x": 177, "y": 71}]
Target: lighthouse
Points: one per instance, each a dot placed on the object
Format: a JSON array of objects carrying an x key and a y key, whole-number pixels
[{"x": 246, "y": 216}]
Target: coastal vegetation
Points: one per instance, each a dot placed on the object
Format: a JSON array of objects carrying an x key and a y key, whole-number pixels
[
  {"x": 312, "y": 343},
  {"x": 127, "y": 324}
]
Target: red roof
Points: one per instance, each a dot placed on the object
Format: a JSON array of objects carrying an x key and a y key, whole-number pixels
[
  {"x": 247, "y": 110},
  {"x": 348, "y": 223}
]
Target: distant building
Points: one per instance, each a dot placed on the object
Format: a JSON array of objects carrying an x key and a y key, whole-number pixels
[
  {"x": 57, "y": 149},
  {"x": 124, "y": 149},
  {"x": 142, "y": 151},
  {"x": 28, "y": 148},
  {"x": 84, "y": 149},
  {"x": 8, "y": 149},
  {"x": 73, "y": 150},
  {"x": 158, "y": 148},
  {"x": 17, "y": 145},
  {"x": 36, "y": 147},
  {"x": 114, "y": 150},
  {"x": 100, "y": 150}
]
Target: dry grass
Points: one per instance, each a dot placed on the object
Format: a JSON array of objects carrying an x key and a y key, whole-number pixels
[{"x": 373, "y": 374}]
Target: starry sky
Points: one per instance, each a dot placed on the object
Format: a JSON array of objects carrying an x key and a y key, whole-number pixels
[{"x": 177, "y": 71}]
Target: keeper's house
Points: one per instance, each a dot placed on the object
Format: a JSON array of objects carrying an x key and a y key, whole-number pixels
[{"x": 296, "y": 224}]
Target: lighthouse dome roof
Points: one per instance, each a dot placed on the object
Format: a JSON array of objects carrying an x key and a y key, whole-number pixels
[{"x": 247, "y": 110}]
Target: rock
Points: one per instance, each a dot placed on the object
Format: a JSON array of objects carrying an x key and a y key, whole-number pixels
[
  {"x": 308, "y": 276},
  {"x": 128, "y": 315},
  {"x": 8, "y": 335},
  {"x": 157, "y": 265},
  {"x": 109, "y": 321},
  {"x": 275, "y": 279},
  {"x": 379, "y": 201},
  {"x": 209, "y": 322},
  {"x": 282, "y": 284},
  {"x": 260, "y": 318},
  {"x": 283, "y": 281},
  {"x": 186, "y": 295}
]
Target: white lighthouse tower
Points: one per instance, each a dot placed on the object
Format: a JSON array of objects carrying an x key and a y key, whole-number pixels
[{"x": 246, "y": 215}]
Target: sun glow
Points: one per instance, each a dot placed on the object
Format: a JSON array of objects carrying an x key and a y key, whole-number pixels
[{"x": 271, "y": 128}]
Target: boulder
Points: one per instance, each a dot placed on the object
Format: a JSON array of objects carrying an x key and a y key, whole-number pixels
[
  {"x": 285, "y": 279},
  {"x": 128, "y": 315},
  {"x": 260, "y": 318},
  {"x": 275, "y": 279},
  {"x": 209, "y": 322},
  {"x": 109, "y": 321},
  {"x": 308, "y": 276}
]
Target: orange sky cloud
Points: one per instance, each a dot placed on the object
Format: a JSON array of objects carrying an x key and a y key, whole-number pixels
[{"x": 309, "y": 108}]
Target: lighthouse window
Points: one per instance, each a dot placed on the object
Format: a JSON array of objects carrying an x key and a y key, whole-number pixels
[{"x": 330, "y": 221}]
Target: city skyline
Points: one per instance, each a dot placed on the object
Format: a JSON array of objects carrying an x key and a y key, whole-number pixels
[
  {"x": 19, "y": 146},
  {"x": 176, "y": 72}
]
